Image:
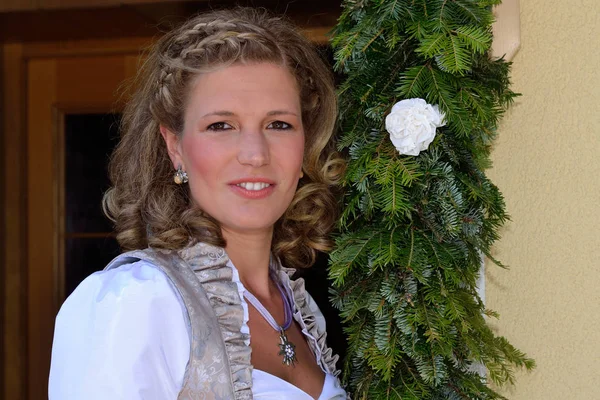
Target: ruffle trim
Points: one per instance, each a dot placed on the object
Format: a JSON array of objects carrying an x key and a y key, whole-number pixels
[
  {"x": 218, "y": 277},
  {"x": 310, "y": 328}
]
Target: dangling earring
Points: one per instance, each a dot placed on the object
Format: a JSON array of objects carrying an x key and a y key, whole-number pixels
[
  {"x": 180, "y": 176},
  {"x": 301, "y": 174}
]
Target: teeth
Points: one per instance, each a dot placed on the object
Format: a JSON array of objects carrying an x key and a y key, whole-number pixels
[{"x": 253, "y": 185}]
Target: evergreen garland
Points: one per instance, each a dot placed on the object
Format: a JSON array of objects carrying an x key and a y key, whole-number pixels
[{"x": 414, "y": 229}]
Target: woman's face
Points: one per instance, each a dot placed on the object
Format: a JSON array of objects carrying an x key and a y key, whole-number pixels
[{"x": 242, "y": 145}]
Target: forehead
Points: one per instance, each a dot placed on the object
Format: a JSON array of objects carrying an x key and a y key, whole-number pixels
[{"x": 249, "y": 85}]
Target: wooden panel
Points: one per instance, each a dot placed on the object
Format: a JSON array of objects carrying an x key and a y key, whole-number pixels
[
  {"x": 2, "y": 226},
  {"x": 124, "y": 46},
  {"x": 50, "y": 4},
  {"x": 26, "y": 5},
  {"x": 13, "y": 280},
  {"x": 18, "y": 5},
  {"x": 27, "y": 320},
  {"x": 132, "y": 65},
  {"x": 78, "y": 79},
  {"x": 42, "y": 240},
  {"x": 56, "y": 25},
  {"x": 56, "y": 86}
]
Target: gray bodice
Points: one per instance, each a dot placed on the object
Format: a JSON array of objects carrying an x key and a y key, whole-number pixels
[{"x": 219, "y": 364}]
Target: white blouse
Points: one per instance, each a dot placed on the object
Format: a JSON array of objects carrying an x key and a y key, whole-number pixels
[{"x": 122, "y": 334}]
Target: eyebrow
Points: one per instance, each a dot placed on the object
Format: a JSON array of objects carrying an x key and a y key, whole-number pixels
[{"x": 224, "y": 113}]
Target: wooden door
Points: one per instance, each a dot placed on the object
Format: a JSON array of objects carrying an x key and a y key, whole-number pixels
[{"x": 62, "y": 82}]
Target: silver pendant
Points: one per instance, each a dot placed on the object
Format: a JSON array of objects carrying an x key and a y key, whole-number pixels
[{"x": 287, "y": 349}]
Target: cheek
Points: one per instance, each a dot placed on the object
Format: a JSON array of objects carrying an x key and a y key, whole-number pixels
[
  {"x": 200, "y": 158},
  {"x": 294, "y": 153}
]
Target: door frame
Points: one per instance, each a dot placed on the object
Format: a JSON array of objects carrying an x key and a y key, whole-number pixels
[{"x": 15, "y": 158}]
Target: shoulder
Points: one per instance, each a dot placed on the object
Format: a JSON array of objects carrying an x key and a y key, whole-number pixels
[
  {"x": 136, "y": 295},
  {"x": 119, "y": 334},
  {"x": 138, "y": 282}
]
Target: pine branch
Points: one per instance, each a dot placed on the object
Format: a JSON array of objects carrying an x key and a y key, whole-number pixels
[{"x": 413, "y": 229}]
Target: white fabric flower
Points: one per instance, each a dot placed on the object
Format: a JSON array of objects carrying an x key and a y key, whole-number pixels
[{"x": 412, "y": 125}]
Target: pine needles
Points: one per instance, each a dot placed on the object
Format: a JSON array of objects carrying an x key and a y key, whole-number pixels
[{"x": 414, "y": 229}]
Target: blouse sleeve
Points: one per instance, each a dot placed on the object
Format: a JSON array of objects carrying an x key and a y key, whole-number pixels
[{"x": 120, "y": 335}]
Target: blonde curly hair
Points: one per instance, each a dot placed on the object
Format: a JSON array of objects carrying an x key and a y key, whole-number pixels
[{"x": 148, "y": 208}]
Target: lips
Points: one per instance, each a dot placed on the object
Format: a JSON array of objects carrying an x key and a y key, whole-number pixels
[{"x": 253, "y": 187}]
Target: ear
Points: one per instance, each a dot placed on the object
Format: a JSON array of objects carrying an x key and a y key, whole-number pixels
[{"x": 173, "y": 146}]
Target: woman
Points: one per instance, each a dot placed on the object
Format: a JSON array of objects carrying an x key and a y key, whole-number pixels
[{"x": 223, "y": 174}]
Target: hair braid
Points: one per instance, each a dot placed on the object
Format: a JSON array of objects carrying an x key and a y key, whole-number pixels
[{"x": 208, "y": 45}]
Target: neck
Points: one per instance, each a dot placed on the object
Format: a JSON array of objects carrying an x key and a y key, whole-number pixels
[{"x": 251, "y": 253}]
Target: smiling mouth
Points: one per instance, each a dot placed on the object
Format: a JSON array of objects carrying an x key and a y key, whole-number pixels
[{"x": 253, "y": 186}]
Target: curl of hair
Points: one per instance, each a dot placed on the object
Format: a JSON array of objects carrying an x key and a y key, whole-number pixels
[{"x": 148, "y": 208}]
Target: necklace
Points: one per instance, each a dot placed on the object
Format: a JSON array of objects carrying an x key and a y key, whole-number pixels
[{"x": 287, "y": 349}]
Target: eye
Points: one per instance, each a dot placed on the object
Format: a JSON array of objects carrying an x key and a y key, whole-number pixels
[
  {"x": 219, "y": 126},
  {"x": 280, "y": 125}
]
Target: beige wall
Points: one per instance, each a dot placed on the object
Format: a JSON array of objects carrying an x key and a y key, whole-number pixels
[{"x": 547, "y": 164}]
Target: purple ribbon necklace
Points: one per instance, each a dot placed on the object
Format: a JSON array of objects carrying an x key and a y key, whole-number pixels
[{"x": 287, "y": 349}]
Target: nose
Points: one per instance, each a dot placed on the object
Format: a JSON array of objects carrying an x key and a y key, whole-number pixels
[{"x": 253, "y": 148}]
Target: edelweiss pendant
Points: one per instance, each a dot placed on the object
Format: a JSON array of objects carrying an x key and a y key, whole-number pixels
[{"x": 287, "y": 349}]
